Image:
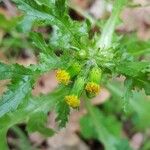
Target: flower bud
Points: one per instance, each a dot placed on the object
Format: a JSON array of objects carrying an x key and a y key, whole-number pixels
[
  {"x": 78, "y": 86},
  {"x": 95, "y": 75},
  {"x": 72, "y": 101},
  {"x": 82, "y": 54},
  {"x": 62, "y": 76},
  {"x": 74, "y": 69},
  {"x": 92, "y": 89}
]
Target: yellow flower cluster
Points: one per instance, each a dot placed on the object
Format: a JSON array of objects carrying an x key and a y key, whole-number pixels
[
  {"x": 62, "y": 76},
  {"x": 73, "y": 101},
  {"x": 92, "y": 88}
]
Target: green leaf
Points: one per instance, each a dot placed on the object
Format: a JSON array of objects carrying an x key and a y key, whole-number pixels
[
  {"x": 52, "y": 14},
  {"x": 60, "y": 7},
  {"x": 26, "y": 24},
  {"x": 134, "y": 45},
  {"x": 16, "y": 93},
  {"x": 48, "y": 62},
  {"x": 104, "y": 132},
  {"x": 59, "y": 39},
  {"x": 132, "y": 69},
  {"x": 86, "y": 128},
  {"x": 39, "y": 42},
  {"x": 108, "y": 30},
  {"x": 8, "y": 71},
  {"x": 37, "y": 122},
  {"x": 123, "y": 144},
  {"x": 139, "y": 72},
  {"x": 142, "y": 83},
  {"x": 8, "y": 24},
  {"x": 141, "y": 105},
  {"x": 146, "y": 145},
  {"x": 22, "y": 142},
  {"x": 62, "y": 110},
  {"x": 128, "y": 83},
  {"x": 27, "y": 109}
]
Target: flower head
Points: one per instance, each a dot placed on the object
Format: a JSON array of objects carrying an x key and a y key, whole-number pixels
[
  {"x": 62, "y": 76},
  {"x": 73, "y": 101},
  {"x": 92, "y": 88}
]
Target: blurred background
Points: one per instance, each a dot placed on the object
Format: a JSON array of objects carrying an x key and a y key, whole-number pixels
[{"x": 132, "y": 124}]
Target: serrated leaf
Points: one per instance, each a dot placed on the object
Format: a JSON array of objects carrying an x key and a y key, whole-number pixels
[
  {"x": 86, "y": 128},
  {"x": 61, "y": 7},
  {"x": 61, "y": 107},
  {"x": 132, "y": 69},
  {"x": 37, "y": 122},
  {"x": 33, "y": 105},
  {"x": 134, "y": 45},
  {"x": 8, "y": 71},
  {"x": 128, "y": 83},
  {"x": 51, "y": 14},
  {"x": 142, "y": 82},
  {"x": 48, "y": 62},
  {"x": 16, "y": 93},
  {"x": 39, "y": 42},
  {"x": 102, "y": 128},
  {"x": 138, "y": 72},
  {"x": 62, "y": 110},
  {"x": 59, "y": 39},
  {"x": 141, "y": 105}
]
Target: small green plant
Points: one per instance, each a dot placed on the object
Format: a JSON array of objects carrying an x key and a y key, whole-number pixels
[{"x": 84, "y": 65}]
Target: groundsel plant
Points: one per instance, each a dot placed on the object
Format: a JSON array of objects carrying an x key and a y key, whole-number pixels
[{"x": 83, "y": 65}]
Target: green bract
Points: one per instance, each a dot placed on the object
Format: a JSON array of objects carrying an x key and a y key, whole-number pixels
[
  {"x": 95, "y": 75},
  {"x": 74, "y": 69},
  {"x": 78, "y": 86}
]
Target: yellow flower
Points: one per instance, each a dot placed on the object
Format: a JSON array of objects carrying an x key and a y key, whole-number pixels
[
  {"x": 92, "y": 88},
  {"x": 62, "y": 76},
  {"x": 72, "y": 101}
]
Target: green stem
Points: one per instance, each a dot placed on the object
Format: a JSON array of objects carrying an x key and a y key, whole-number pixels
[{"x": 3, "y": 139}]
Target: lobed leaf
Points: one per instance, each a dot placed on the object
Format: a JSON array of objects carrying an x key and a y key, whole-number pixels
[
  {"x": 14, "y": 70},
  {"x": 132, "y": 69},
  {"x": 138, "y": 72},
  {"x": 16, "y": 93},
  {"x": 25, "y": 111},
  {"x": 62, "y": 110},
  {"x": 39, "y": 42},
  {"x": 37, "y": 122},
  {"x": 107, "y": 131}
]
